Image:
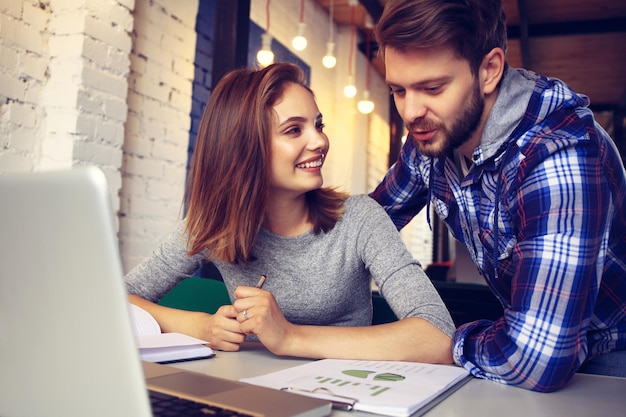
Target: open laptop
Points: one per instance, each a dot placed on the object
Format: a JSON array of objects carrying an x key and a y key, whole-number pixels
[{"x": 66, "y": 342}]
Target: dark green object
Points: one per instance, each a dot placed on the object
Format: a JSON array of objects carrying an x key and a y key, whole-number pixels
[
  {"x": 388, "y": 377},
  {"x": 197, "y": 294}
]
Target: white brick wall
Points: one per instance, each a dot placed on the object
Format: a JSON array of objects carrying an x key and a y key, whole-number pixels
[
  {"x": 158, "y": 124},
  {"x": 85, "y": 93},
  {"x": 23, "y": 63}
]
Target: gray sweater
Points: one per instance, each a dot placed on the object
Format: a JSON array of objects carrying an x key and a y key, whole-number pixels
[{"x": 316, "y": 280}]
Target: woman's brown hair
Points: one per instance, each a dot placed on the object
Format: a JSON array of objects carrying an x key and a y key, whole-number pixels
[{"x": 229, "y": 178}]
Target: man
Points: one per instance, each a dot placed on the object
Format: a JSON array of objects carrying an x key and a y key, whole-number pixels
[{"x": 493, "y": 146}]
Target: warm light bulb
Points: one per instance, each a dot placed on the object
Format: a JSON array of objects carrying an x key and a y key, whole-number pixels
[
  {"x": 329, "y": 60},
  {"x": 299, "y": 42},
  {"x": 349, "y": 90},
  {"x": 365, "y": 106},
  {"x": 265, "y": 56}
]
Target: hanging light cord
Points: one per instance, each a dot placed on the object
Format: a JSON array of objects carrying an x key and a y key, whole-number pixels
[
  {"x": 331, "y": 32},
  {"x": 301, "y": 10},
  {"x": 267, "y": 15},
  {"x": 352, "y": 39},
  {"x": 367, "y": 61}
]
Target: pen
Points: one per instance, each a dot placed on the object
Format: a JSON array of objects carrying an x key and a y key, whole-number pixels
[{"x": 261, "y": 282}]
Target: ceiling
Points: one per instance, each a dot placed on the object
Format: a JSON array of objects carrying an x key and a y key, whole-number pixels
[{"x": 582, "y": 42}]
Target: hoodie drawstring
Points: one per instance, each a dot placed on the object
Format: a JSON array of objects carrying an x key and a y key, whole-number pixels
[{"x": 429, "y": 196}]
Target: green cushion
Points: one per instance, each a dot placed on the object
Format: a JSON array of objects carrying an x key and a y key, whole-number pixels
[{"x": 197, "y": 294}]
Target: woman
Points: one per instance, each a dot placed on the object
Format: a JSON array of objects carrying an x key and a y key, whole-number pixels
[{"x": 256, "y": 206}]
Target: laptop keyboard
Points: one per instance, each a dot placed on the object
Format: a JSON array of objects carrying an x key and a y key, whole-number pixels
[{"x": 164, "y": 405}]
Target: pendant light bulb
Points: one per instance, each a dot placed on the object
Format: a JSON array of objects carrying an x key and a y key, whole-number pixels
[
  {"x": 349, "y": 90},
  {"x": 265, "y": 56},
  {"x": 299, "y": 42},
  {"x": 365, "y": 106},
  {"x": 329, "y": 60}
]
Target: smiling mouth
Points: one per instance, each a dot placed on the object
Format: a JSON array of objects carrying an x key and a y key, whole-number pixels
[{"x": 313, "y": 164}]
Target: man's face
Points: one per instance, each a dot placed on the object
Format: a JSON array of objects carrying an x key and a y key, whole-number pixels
[{"x": 438, "y": 98}]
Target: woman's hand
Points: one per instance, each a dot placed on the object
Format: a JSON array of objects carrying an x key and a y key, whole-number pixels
[
  {"x": 258, "y": 313},
  {"x": 221, "y": 329}
]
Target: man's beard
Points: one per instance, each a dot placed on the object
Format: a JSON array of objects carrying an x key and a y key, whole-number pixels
[{"x": 460, "y": 132}]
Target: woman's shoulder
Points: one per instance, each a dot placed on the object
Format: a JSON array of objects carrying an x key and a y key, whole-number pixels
[
  {"x": 362, "y": 205},
  {"x": 361, "y": 201}
]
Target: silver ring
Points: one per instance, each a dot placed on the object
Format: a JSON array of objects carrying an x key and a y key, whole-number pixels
[{"x": 245, "y": 314}]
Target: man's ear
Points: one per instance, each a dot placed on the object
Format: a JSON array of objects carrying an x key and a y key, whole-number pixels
[{"x": 491, "y": 70}]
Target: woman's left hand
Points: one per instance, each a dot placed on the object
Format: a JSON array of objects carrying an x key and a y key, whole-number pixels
[{"x": 259, "y": 314}]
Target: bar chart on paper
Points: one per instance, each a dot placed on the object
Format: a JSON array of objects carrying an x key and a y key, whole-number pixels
[{"x": 372, "y": 388}]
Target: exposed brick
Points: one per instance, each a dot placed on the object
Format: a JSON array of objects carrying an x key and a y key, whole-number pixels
[
  {"x": 34, "y": 93},
  {"x": 66, "y": 47},
  {"x": 34, "y": 66},
  {"x": 23, "y": 115},
  {"x": 170, "y": 151},
  {"x": 35, "y": 16},
  {"x": 108, "y": 33},
  {"x": 137, "y": 145},
  {"x": 111, "y": 131},
  {"x": 8, "y": 29},
  {"x": 149, "y": 88},
  {"x": 120, "y": 16},
  {"x": 128, "y": 4},
  {"x": 115, "y": 108},
  {"x": 97, "y": 51},
  {"x": 147, "y": 48},
  {"x": 136, "y": 186},
  {"x": 11, "y": 162},
  {"x": 11, "y": 87},
  {"x": 12, "y": 8},
  {"x": 68, "y": 23},
  {"x": 102, "y": 80},
  {"x": 88, "y": 100},
  {"x": 87, "y": 124},
  {"x": 143, "y": 167},
  {"x": 97, "y": 153},
  {"x": 9, "y": 57},
  {"x": 118, "y": 62},
  {"x": 137, "y": 63},
  {"x": 23, "y": 140}
]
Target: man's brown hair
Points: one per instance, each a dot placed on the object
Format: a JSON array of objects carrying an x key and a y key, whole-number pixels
[{"x": 471, "y": 28}]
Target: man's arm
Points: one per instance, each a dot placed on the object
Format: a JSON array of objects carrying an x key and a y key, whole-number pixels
[
  {"x": 403, "y": 192},
  {"x": 554, "y": 270}
]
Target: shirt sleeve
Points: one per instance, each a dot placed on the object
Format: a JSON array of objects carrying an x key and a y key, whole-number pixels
[
  {"x": 403, "y": 191},
  {"x": 559, "y": 230},
  {"x": 164, "y": 268},
  {"x": 398, "y": 275}
]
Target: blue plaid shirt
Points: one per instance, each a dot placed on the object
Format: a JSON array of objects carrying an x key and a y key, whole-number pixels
[{"x": 554, "y": 184}]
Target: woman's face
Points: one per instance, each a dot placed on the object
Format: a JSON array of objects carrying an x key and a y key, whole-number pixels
[{"x": 299, "y": 144}]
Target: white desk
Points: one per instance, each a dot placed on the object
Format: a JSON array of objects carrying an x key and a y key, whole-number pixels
[{"x": 585, "y": 396}]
